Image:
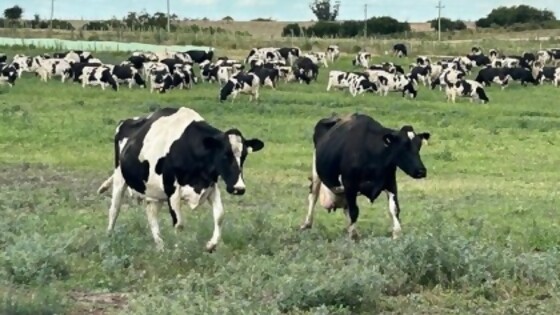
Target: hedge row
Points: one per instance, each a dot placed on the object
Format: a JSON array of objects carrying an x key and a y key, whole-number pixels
[{"x": 375, "y": 26}]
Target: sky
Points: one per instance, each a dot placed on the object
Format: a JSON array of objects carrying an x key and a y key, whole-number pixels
[{"x": 281, "y": 10}]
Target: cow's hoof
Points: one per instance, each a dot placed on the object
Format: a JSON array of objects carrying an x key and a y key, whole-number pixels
[{"x": 210, "y": 247}]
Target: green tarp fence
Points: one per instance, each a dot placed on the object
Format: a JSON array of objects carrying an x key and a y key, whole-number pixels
[{"x": 63, "y": 44}]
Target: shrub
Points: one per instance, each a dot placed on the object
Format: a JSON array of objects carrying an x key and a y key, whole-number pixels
[
  {"x": 35, "y": 259},
  {"x": 292, "y": 29}
]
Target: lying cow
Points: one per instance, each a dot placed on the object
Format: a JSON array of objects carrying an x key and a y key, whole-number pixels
[
  {"x": 355, "y": 155},
  {"x": 173, "y": 155}
]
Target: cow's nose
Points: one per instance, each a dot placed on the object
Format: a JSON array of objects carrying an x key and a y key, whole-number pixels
[
  {"x": 420, "y": 173},
  {"x": 238, "y": 191}
]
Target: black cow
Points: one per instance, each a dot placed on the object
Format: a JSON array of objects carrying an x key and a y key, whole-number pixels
[
  {"x": 305, "y": 67},
  {"x": 199, "y": 56},
  {"x": 423, "y": 74},
  {"x": 3, "y": 58},
  {"x": 286, "y": 52},
  {"x": 138, "y": 61},
  {"x": 355, "y": 155},
  {"x": 524, "y": 75},
  {"x": 400, "y": 50},
  {"x": 172, "y": 155},
  {"x": 480, "y": 60}
]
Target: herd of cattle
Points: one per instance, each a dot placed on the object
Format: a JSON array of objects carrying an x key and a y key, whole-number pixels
[
  {"x": 175, "y": 70},
  {"x": 172, "y": 70},
  {"x": 173, "y": 155}
]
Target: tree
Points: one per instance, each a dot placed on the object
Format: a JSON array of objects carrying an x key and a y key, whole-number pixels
[
  {"x": 324, "y": 11},
  {"x": 521, "y": 14},
  {"x": 14, "y": 13},
  {"x": 448, "y": 25}
]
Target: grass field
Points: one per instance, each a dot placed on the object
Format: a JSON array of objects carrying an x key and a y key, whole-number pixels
[{"x": 480, "y": 234}]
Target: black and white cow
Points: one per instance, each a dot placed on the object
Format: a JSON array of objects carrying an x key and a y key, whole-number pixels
[
  {"x": 549, "y": 55},
  {"x": 318, "y": 58},
  {"x": 400, "y": 50},
  {"x": 244, "y": 83},
  {"x": 488, "y": 75},
  {"x": 78, "y": 68},
  {"x": 333, "y": 52},
  {"x": 100, "y": 75},
  {"x": 174, "y": 155},
  {"x": 267, "y": 77},
  {"x": 356, "y": 154},
  {"x": 342, "y": 80},
  {"x": 392, "y": 82},
  {"x": 290, "y": 53},
  {"x": 480, "y": 60},
  {"x": 3, "y": 58},
  {"x": 127, "y": 74},
  {"x": 360, "y": 85},
  {"x": 8, "y": 74},
  {"x": 448, "y": 76},
  {"x": 362, "y": 59},
  {"x": 267, "y": 54},
  {"x": 423, "y": 60},
  {"x": 54, "y": 67},
  {"x": 75, "y": 56},
  {"x": 550, "y": 73},
  {"x": 466, "y": 88},
  {"x": 421, "y": 74}
]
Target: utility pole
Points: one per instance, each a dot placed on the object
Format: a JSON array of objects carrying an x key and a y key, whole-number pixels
[
  {"x": 439, "y": 7},
  {"x": 168, "y": 18},
  {"x": 365, "y": 20},
  {"x": 52, "y": 15}
]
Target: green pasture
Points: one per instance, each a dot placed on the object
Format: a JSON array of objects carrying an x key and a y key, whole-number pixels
[{"x": 480, "y": 233}]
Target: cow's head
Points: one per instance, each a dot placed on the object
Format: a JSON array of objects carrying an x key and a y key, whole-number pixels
[
  {"x": 405, "y": 146},
  {"x": 229, "y": 151},
  {"x": 108, "y": 78},
  {"x": 228, "y": 89}
]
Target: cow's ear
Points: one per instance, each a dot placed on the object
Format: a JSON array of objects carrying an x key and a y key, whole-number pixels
[
  {"x": 390, "y": 139},
  {"x": 212, "y": 143},
  {"x": 425, "y": 136},
  {"x": 254, "y": 145}
]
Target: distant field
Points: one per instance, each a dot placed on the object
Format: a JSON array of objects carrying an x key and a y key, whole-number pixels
[{"x": 480, "y": 234}]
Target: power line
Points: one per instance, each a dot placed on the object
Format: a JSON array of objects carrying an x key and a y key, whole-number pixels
[
  {"x": 439, "y": 7},
  {"x": 52, "y": 14}
]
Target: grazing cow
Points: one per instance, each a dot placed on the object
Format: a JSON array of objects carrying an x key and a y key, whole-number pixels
[
  {"x": 318, "y": 58},
  {"x": 548, "y": 74},
  {"x": 268, "y": 54},
  {"x": 174, "y": 155},
  {"x": 549, "y": 55},
  {"x": 3, "y": 58},
  {"x": 267, "y": 77},
  {"x": 356, "y": 155},
  {"x": 387, "y": 66},
  {"x": 78, "y": 68},
  {"x": 448, "y": 77},
  {"x": 422, "y": 74},
  {"x": 467, "y": 88},
  {"x": 54, "y": 67},
  {"x": 360, "y": 85},
  {"x": 127, "y": 74},
  {"x": 524, "y": 75},
  {"x": 199, "y": 56},
  {"x": 245, "y": 83},
  {"x": 333, "y": 52},
  {"x": 290, "y": 53},
  {"x": 8, "y": 74},
  {"x": 389, "y": 82},
  {"x": 362, "y": 59},
  {"x": 480, "y": 60},
  {"x": 423, "y": 61},
  {"x": 100, "y": 75},
  {"x": 400, "y": 50},
  {"x": 305, "y": 69},
  {"x": 341, "y": 79},
  {"x": 488, "y": 75}
]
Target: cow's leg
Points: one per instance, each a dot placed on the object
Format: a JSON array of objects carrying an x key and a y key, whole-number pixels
[
  {"x": 174, "y": 203},
  {"x": 119, "y": 186},
  {"x": 218, "y": 214},
  {"x": 314, "y": 189},
  {"x": 353, "y": 210},
  {"x": 152, "y": 209}
]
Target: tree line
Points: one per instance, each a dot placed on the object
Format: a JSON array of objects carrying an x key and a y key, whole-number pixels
[{"x": 520, "y": 17}]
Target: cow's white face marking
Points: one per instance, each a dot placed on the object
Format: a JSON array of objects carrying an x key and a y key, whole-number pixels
[
  {"x": 237, "y": 148},
  {"x": 411, "y": 135}
]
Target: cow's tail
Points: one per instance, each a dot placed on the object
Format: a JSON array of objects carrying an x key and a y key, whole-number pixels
[{"x": 106, "y": 184}]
